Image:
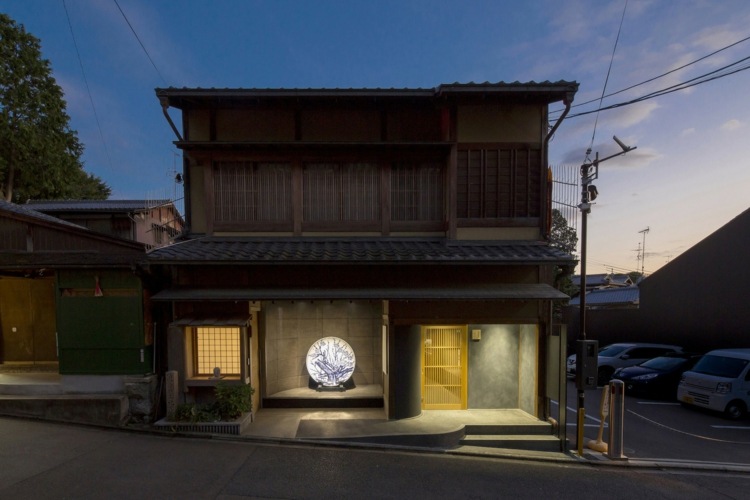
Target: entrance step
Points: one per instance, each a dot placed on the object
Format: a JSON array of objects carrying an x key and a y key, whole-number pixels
[
  {"x": 529, "y": 442},
  {"x": 533, "y": 436},
  {"x": 97, "y": 409}
]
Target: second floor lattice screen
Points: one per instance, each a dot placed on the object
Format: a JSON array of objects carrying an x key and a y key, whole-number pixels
[
  {"x": 417, "y": 192},
  {"x": 341, "y": 192},
  {"x": 248, "y": 193},
  {"x": 252, "y": 192},
  {"x": 499, "y": 183}
]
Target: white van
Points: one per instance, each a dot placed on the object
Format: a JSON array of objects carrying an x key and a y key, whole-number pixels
[{"x": 719, "y": 381}]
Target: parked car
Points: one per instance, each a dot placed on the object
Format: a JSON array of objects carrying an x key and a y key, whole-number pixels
[
  {"x": 720, "y": 381},
  {"x": 621, "y": 355},
  {"x": 658, "y": 377}
]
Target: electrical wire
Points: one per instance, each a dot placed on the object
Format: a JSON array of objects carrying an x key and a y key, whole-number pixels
[
  {"x": 140, "y": 42},
  {"x": 88, "y": 89},
  {"x": 606, "y": 80},
  {"x": 681, "y": 86},
  {"x": 659, "y": 76}
]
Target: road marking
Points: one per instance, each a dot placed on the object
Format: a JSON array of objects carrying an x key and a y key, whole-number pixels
[
  {"x": 574, "y": 410},
  {"x": 731, "y": 427},
  {"x": 686, "y": 433}
]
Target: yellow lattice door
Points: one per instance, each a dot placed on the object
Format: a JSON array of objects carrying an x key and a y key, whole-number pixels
[{"x": 444, "y": 368}]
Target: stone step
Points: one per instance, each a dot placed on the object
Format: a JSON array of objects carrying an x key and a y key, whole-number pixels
[
  {"x": 30, "y": 389},
  {"x": 30, "y": 384},
  {"x": 98, "y": 409},
  {"x": 529, "y": 428},
  {"x": 516, "y": 442}
]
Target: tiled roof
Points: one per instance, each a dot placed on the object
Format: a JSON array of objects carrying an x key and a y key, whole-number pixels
[
  {"x": 71, "y": 259},
  {"x": 356, "y": 250},
  {"x": 93, "y": 205},
  {"x": 28, "y": 212},
  {"x": 622, "y": 295}
]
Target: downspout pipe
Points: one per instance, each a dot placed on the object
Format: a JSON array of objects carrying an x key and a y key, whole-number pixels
[
  {"x": 165, "y": 105},
  {"x": 568, "y": 101}
]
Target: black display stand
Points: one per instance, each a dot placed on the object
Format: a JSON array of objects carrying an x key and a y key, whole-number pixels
[{"x": 312, "y": 384}]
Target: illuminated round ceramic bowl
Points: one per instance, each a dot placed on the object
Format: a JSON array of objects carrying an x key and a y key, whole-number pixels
[{"x": 330, "y": 361}]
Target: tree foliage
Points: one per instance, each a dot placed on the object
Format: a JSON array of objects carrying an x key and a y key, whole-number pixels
[
  {"x": 562, "y": 236},
  {"x": 40, "y": 156}
]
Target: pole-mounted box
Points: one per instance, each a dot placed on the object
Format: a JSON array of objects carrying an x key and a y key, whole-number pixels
[{"x": 587, "y": 364}]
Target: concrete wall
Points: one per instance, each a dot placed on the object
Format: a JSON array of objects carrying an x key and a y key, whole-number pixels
[
  {"x": 502, "y": 367},
  {"x": 528, "y": 356},
  {"x": 291, "y": 327}
]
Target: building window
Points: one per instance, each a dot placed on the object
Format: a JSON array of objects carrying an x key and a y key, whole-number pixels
[
  {"x": 252, "y": 192},
  {"x": 217, "y": 347},
  {"x": 417, "y": 192},
  {"x": 334, "y": 192},
  {"x": 499, "y": 183}
]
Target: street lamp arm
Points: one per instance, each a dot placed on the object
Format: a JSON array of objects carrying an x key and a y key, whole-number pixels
[{"x": 598, "y": 161}]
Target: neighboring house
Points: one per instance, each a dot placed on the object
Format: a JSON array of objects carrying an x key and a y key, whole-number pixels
[
  {"x": 153, "y": 222},
  {"x": 600, "y": 281},
  {"x": 410, "y": 223},
  {"x": 72, "y": 303},
  {"x": 610, "y": 298},
  {"x": 698, "y": 300}
]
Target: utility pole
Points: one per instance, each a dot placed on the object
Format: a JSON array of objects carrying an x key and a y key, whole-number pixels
[
  {"x": 643, "y": 257},
  {"x": 589, "y": 173}
]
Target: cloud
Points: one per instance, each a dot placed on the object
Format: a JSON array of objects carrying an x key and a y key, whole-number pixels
[
  {"x": 732, "y": 125},
  {"x": 688, "y": 132},
  {"x": 633, "y": 114}
]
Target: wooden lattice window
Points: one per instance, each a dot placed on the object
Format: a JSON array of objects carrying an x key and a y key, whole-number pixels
[
  {"x": 252, "y": 192},
  {"x": 499, "y": 183},
  {"x": 417, "y": 192},
  {"x": 334, "y": 192}
]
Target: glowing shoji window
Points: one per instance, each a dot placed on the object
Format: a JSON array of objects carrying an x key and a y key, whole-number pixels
[{"x": 217, "y": 346}]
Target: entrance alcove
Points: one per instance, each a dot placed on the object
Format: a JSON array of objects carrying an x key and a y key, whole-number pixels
[{"x": 291, "y": 327}]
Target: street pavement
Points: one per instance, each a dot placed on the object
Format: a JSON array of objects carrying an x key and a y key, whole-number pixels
[{"x": 43, "y": 460}]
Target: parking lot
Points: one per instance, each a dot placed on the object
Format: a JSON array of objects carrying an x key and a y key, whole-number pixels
[{"x": 665, "y": 430}]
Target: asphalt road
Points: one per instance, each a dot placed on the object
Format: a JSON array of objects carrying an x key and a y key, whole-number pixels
[
  {"x": 43, "y": 460},
  {"x": 655, "y": 429}
]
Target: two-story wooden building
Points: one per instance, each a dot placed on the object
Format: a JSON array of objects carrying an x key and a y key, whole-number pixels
[{"x": 411, "y": 224}]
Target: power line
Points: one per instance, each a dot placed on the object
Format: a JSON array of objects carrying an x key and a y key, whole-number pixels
[
  {"x": 674, "y": 88},
  {"x": 140, "y": 42},
  {"x": 606, "y": 80},
  {"x": 660, "y": 76},
  {"x": 88, "y": 89}
]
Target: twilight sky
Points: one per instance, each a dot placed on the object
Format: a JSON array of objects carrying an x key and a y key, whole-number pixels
[{"x": 689, "y": 175}]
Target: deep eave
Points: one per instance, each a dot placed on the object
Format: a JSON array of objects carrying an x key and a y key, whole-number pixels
[
  {"x": 534, "y": 291},
  {"x": 356, "y": 251}
]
